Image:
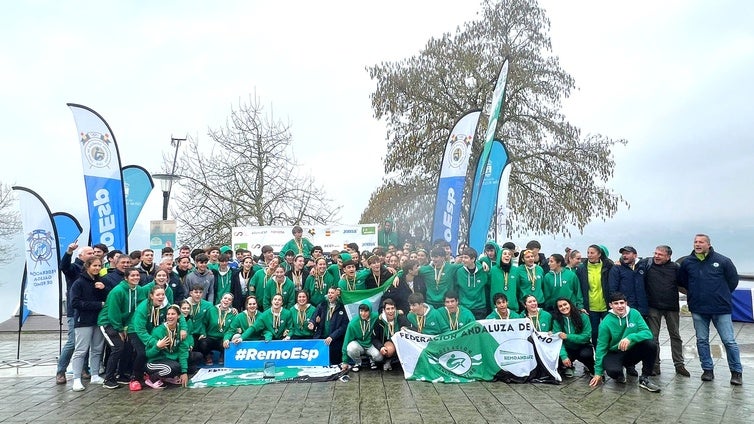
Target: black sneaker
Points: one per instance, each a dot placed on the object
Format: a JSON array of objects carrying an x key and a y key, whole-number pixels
[
  {"x": 736, "y": 378},
  {"x": 632, "y": 371},
  {"x": 110, "y": 384},
  {"x": 124, "y": 380},
  {"x": 708, "y": 375},
  {"x": 621, "y": 379},
  {"x": 647, "y": 385}
]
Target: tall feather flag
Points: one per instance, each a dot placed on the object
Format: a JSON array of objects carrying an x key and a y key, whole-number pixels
[
  {"x": 102, "y": 178},
  {"x": 68, "y": 228},
  {"x": 455, "y": 163},
  {"x": 488, "y": 196},
  {"x": 137, "y": 184},
  {"x": 42, "y": 279},
  {"x": 496, "y": 106}
]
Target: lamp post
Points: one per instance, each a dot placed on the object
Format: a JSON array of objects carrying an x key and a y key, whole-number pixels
[{"x": 166, "y": 180}]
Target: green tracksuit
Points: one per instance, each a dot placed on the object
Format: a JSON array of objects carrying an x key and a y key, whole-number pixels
[
  {"x": 241, "y": 323},
  {"x": 472, "y": 285},
  {"x": 316, "y": 287},
  {"x": 438, "y": 281},
  {"x": 511, "y": 314},
  {"x": 360, "y": 330},
  {"x": 530, "y": 282},
  {"x": 216, "y": 322},
  {"x": 119, "y": 306},
  {"x": 286, "y": 289},
  {"x": 614, "y": 328},
  {"x": 542, "y": 320}
]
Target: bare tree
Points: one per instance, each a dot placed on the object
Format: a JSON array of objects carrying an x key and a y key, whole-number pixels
[
  {"x": 10, "y": 223},
  {"x": 249, "y": 177}
]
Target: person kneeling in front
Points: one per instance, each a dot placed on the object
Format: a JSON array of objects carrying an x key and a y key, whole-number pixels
[
  {"x": 358, "y": 339},
  {"x": 624, "y": 340}
]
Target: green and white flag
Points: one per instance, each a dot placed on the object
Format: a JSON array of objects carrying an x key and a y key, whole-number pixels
[
  {"x": 485, "y": 350},
  {"x": 352, "y": 299}
]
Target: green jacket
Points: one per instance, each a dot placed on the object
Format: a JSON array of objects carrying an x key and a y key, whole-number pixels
[
  {"x": 198, "y": 311},
  {"x": 146, "y": 288},
  {"x": 360, "y": 331},
  {"x": 241, "y": 322},
  {"x": 450, "y": 322},
  {"x": 355, "y": 284},
  {"x": 614, "y": 328},
  {"x": 574, "y": 339},
  {"x": 146, "y": 317},
  {"x": 265, "y": 325},
  {"x": 258, "y": 283},
  {"x": 316, "y": 287},
  {"x": 438, "y": 281},
  {"x": 305, "y": 248},
  {"x": 563, "y": 284},
  {"x": 431, "y": 325},
  {"x": 530, "y": 282},
  {"x": 119, "y": 306},
  {"x": 178, "y": 351},
  {"x": 287, "y": 290},
  {"x": 472, "y": 286},
  {"x": 216, "y": 322},
  {"x": 300, "y": 326},
  {"x": 542, "y": 321},
  {"x": 223, "y": 284}
]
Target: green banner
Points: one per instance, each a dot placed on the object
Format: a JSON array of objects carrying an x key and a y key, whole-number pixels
[{"x": 226, "y": 377}]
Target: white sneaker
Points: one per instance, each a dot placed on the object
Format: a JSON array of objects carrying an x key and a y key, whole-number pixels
[
  {"x": 77, "y": 386},
  {"x": 97, "y": 379},
  {"x": 387, "y": 366}
]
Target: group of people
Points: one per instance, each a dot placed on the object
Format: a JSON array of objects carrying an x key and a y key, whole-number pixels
[{"x": 161, "y": 321}]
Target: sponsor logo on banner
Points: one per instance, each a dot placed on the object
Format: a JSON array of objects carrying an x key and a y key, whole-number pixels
[
  {"x": 459, "y": 149},
  {"x": 368, "y": 231},
  {"x": 349, "y": 231},
  {"x": 41, "y": 247},
  {"x": 288, "y": 353}
]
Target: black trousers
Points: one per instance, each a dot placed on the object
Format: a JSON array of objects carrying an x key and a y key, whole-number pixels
[
  {"x": 644, "y": 352},
  {"x": 583, "y": 354}
]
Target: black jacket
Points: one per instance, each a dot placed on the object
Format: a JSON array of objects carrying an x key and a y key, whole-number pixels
[
  {"x": 660, "y": 284},
  {"x": 87, "y": 301}
]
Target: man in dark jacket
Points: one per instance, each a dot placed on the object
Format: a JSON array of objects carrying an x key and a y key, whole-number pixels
[
  {"x": 661, "y": 285},
  {"x": 627, "y": 278},
  {"x": 710, "y": 278}
]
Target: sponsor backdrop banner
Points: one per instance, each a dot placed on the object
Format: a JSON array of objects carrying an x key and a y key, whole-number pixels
[
  {"x": 328, "y": 236},
  {"x": 225, "y": 377},
  {"x": 102, "y": 179},
  {"x": 283, "y": 353},
  {"x": 43, "y": 284},
  {"x": 455, "y": 163},
  {"x": 137, "y": 184},
  {"x": 482, "y": 351}
]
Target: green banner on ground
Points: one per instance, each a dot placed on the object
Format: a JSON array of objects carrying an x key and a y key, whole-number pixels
[{"x": 226, "y": 377}]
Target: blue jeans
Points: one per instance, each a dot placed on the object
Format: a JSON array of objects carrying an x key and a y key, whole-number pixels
[
  {"x": 724, "y": 326},
  {"x": 68, "y": 347}
]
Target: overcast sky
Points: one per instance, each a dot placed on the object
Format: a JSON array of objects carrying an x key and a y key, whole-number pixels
[{"x": 672, "y": 77}]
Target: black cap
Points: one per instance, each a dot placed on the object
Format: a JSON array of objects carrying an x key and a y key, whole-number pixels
[{"x": 628, "y": 249}]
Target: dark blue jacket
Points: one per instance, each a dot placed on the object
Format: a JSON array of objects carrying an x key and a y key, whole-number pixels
[
  {"x": 709, "y": 283},
  {"x": 630, "y": 282},
  {"x": 87, "y": 301},
  {"x": 71, "y": 271}
]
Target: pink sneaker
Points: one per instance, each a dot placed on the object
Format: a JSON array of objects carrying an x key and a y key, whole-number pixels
[
  {"x": 134, "y": 385},
  {"x": 153, "y": 384}
]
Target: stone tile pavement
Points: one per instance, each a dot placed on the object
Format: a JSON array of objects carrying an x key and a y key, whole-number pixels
[{"x": 28, "y": 393}]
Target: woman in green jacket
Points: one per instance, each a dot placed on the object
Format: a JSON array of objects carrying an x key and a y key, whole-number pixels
[
  {"x": 274, "y": 323},
  {"x": 216, "y": 322},
  {"x": 167, "y": 357},
  {"x": 573, "y": 327},
  {"x": 301, "y": 313},
  {"x": 242, "y": 321},
  {"x": 541, "y": 319}
]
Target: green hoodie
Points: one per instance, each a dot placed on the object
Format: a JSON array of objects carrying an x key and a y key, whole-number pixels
[
  {"x": 217, "y": 322},
  {"x": 438, "y": 281},
  {"x": 530, "y": 282},
  {"x": 286, "y": 289},
  {"x": 178, "y": 351},
  {"x": 146, "y": 288},
  {"x": 119, "y": 307},
  {"x": 198, "y": 311},
  {"x": 614, "y": 328},
  {"x": 431, "y": 324},
  {"x": 563, "y": 284},
  {"x": 241, "y": 323},
  {"x": 574, "y": 339},
  {"x": 472, "y": 286},
  {"x": 258, "y": 283},
  {"x": 301, "y": 316},
  {"x": 450, "y": 322},
  {"x": 511, "y": 314},
  {"x": 316, "y": 287},
  {"x": 265, "y": 324},
  {"x": 542, "y": 321},
  {"x": 360, "y": 330}
]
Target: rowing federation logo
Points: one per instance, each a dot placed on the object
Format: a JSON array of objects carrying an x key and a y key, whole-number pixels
[
  {"x": 41, "y": 246},
  {"x": 457, "y": 361},
  {"x": 459, "y": 149},
  {"x": 96, "y": 149}
]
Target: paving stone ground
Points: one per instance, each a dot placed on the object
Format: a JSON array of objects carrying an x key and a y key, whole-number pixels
[{"x": 28, "y": 393}]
